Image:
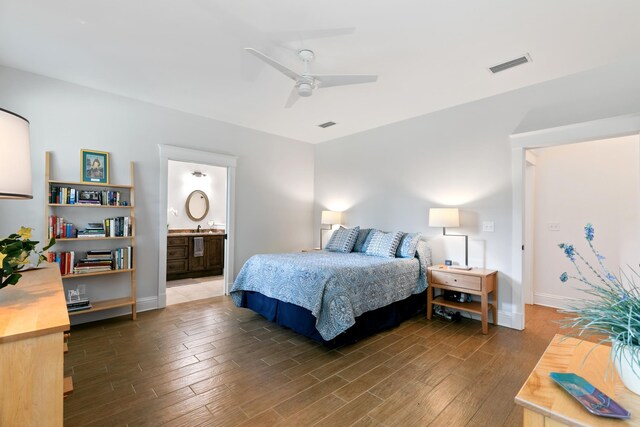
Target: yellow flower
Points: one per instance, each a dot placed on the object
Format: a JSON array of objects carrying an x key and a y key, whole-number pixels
[
  {"x": 24, "y": 232},
  {"x": 2, "y": 257}
]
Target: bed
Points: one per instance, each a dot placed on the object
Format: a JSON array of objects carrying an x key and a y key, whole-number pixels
[{"x": 331, "y": 297}]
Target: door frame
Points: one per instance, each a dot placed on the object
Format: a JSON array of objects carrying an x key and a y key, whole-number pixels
[
  {"x": 611, "y": 127},
  {"x": 529, "y": 226},
  {"x": 181, "y": 154}
]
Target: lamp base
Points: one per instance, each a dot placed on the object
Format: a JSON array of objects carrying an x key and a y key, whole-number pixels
[{"x": 460, "y": 267}]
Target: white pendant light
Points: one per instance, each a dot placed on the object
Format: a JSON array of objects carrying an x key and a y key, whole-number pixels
[{"x": 15, "y": 157}]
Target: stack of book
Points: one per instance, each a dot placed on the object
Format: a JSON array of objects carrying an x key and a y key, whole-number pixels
[
  {"x": 94, "y": 229},
  {"x": 117, "y": 227},
  {"x": 82, "y": 304},
  {"x": 64, "y": 259},
  {"x": 59, "y": 228},
  {"x": 63, "y": 195},
  {"x": 95, "y": 261},
  {"x": 122, "y": 258},
  {"x": 71, "y": 196}
]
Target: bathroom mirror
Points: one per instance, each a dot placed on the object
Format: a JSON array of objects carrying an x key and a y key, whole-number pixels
[{"x": 197, "y": 205}]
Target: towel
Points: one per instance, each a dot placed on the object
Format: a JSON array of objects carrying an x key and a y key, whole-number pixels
[{"x": 198, "y": 246}]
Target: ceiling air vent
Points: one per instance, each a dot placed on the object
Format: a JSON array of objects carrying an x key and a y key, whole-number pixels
[
  {"x": 510, "y": 64},
  {"x": 326, "y": 125}
]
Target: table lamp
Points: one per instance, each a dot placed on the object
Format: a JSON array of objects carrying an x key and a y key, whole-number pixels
[
  {"x": 450, "y": 217},
  {"x": 15, "y": 157},
  {"x": 329, "y": 218}
]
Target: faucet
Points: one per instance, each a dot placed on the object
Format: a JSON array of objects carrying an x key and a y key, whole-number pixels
[{"x": 198, "y": 229}]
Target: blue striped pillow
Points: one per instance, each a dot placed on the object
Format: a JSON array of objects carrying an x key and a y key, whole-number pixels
[
  {"x": 384, "y": 244},
  {"x": 407, "y": 246},
  {"x": 343, "y": 239},
  {"x": 363, "y": 235}
]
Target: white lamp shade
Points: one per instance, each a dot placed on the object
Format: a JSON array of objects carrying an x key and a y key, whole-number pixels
[
  {"x": 331, "y": 217},
  {"x": 444, "y": 217},
  {"x": 15, "y": 157}
]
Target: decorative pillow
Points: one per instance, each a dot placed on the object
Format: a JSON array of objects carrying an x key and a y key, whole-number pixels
[
  {"x": 384, "y": 244},
  {"x": 407, "y": 246},
  {"x": 363, "y": 235},
  {"x": 343, "y": 239},
  {"x": 365, "y": 245}
]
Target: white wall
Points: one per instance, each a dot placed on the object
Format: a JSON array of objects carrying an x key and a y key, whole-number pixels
[
  {"x": 594, "y": 182},
  {"x": 180, "y": 184},
  {"x": 274, "y": 176}
]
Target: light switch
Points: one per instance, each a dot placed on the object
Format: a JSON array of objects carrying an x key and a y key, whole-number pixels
[
  {"x": 487, "y": 226},
  {"x": 553, "y": 226}
]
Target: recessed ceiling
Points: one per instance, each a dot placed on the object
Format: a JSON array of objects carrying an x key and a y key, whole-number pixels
[{"x": 429, "y": 55}]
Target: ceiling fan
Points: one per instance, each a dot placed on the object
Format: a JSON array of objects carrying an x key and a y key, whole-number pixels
[{"x": 305, "y": 81}]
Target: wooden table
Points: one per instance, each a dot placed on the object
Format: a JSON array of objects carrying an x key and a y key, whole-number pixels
[
  {"x": 477, "y": 281},
  {"x": 547, "y": 404},
  {"x": 33, "y": 318}
]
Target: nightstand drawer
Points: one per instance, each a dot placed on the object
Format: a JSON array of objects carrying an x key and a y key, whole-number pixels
[{"x": 457, "y": 280}]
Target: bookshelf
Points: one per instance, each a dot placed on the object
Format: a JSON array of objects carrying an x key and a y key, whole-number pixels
[{"x": 97, "y": 212}]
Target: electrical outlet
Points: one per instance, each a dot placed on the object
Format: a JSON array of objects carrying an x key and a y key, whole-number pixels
[
  {"x": 488, "y": 226},
  {"x": 553, "y": 226}
]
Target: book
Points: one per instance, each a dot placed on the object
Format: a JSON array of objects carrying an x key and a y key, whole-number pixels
[
  {"x": 80, "y": 303},
  {"x": 86, "y": 307}
]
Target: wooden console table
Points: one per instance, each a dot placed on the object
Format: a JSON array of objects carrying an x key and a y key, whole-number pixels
[
  {"x": 33, "y": 318},
  {"x": 547, "y": 404}
]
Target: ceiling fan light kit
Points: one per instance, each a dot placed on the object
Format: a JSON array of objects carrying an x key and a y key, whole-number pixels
[{"x": 306, "y": 82}]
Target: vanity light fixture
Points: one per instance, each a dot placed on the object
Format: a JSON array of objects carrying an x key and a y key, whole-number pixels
[
  {"x": 198, "y": 174},
  {"x": 450, "y": 217},
  {"x": 15, "y": 157}
]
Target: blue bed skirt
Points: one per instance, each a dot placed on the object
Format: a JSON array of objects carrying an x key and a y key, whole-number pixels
[{"x": 303, "y": 322}]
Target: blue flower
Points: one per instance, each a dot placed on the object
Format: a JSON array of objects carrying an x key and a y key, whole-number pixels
[
  {"x": 611, "y": 277},
  {"x": 600, "y": 257},
  {"x": 564, "y": 277},
  {"x": 568, "y": 251},
  {"x": 588, "y": 232}
]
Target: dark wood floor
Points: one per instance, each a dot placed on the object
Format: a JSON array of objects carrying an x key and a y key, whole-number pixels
[{"x": 210, "y": 363}]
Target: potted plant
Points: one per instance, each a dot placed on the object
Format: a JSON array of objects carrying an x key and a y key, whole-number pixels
[
  {"x": 15, "y": 252},
  {"x": 614, "y": 313}
]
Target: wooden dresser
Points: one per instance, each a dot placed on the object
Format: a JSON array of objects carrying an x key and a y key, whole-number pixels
[{"x": 33, "y": 318}]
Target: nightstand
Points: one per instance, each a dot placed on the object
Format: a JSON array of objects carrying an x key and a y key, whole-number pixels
[{"x": 476, "y": 281}]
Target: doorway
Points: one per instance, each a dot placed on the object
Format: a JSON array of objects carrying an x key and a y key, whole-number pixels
[
  {"x": 197, "y": 190},
  {"x": 520, "y": 142},
  {"x": 596, "y": 182},
  {"x": 196, "y": 225}
]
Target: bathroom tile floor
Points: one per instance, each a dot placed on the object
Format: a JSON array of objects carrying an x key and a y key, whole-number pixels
[{"x": 185, "y": 290}]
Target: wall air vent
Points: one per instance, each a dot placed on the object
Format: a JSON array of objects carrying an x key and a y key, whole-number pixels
[
  {"x": 326, "y": 125},
  {"x": 510, "y": 64}
]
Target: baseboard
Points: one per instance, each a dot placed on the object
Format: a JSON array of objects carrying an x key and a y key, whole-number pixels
[
  {"x": 146, "y": 304},
  {"x": 550, "y": 300},
  {"x": 504, "y": 318},
  {"x": 142, "y": 304}
]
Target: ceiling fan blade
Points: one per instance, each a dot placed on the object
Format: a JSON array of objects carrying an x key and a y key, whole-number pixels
[
  {"x": 275, "y": 64},
  {"x": 293, "y": 97},
  {"x": 338, "y": 80}
]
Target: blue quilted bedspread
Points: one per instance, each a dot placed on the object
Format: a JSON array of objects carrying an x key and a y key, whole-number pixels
[{"x": 335, "y": 287}]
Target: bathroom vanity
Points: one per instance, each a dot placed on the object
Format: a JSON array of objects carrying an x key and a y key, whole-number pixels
[{"x": 182, "y": 262}]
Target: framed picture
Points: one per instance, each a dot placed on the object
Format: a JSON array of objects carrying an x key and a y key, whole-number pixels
[{"x": 94, "y": 167}]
